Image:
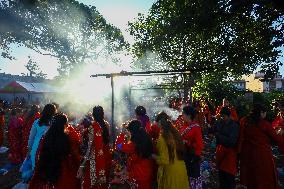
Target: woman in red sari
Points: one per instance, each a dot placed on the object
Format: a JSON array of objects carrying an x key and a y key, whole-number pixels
[
  {"x": 140, "y": 165},
  {"x": 2, "y": 125},
  {"x": 28, "y": 123},
  {"x": 95, "y": 169},
  {"x": 58, "y": 158},
  {"x": 14, "y": 137},
  {"x": 256, "y": 160}
]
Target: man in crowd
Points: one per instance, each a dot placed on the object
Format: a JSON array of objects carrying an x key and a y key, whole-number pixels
[{"x": 227, "y": 132}]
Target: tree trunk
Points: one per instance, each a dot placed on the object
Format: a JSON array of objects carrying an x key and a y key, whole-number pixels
[{"x": 186, "y": 88}]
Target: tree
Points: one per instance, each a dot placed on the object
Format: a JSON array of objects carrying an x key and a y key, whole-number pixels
[
  {"x": 34, "y": 70},
  {"x": 74, "y": 33},
  {"x": 213, "y": 36},
  {"x": 216, "y": 89}
]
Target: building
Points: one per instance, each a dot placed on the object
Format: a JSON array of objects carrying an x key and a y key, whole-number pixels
[
  {"x": 28, "y": 92},
  {"x": 7, "y": 78},
  {"x": 240, "y": 84},
  {"x": 254, "y": 83}
]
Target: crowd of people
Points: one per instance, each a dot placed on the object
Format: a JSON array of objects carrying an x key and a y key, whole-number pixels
[{"x": 165, "y": 154}]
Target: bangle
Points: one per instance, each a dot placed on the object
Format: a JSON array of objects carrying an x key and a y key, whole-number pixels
[{"x": 82, "y": 166}]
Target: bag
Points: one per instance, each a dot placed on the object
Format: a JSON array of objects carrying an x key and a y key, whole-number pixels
[
  {"x": 26, "y": 169},
  {"x": 192, "y": 163}
]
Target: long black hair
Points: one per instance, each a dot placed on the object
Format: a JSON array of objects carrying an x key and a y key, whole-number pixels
[
  {"x": 55, "y": 149},
  {"x": 140, "y": 138},
  {"x": 98, "y": 114},
  {"x": 255, "y": 114},
  {"x": 140, "y": 111},
  {"x": 46, "y": 115}
]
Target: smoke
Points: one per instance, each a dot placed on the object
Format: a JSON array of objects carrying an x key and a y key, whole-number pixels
[{"x": 79, "y": 94}]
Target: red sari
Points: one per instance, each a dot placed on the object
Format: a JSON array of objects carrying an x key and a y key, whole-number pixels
[
  {"x": 139, "y": 169},
  {"x": 257, "y": 163},
  {"x": 2, "y": 125},
  {"x": 69, "y": 166},
  {"x": 14, "y": 139},
  {"x": 28, "y": 123},
  {"x": 97, "y": 168}
]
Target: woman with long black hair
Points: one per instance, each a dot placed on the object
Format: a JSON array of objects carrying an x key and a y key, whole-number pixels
[
  {"x": 57, "y": 162},
  {"x": 95, "y": 168},
  {"x": 257, "y": 165},
  {"x": 140, "y": 166}
]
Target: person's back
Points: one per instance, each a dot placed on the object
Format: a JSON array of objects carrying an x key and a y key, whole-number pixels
[
  {"x": 257, "y": 166},
  {"x": 140, "y": 166},
  {"x": 39, "y": 128},
  {"x": 227, "y": 133},
  {"x": 171, "y": 175},
  {"x": 36, "y": 133},
  {"x": 257, "y": 137},
  {"x": 172, "y": 171}
]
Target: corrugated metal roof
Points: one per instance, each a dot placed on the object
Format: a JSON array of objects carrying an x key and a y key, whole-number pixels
[{"x": 38, "y": 87}]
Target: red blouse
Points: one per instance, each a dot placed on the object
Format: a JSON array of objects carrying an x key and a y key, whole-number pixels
[{"x": 193, "y": 137}]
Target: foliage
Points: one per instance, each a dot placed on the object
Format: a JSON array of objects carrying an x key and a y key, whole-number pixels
[
  {"x": 216, "y": 89},
  {"x": 74, "y": 33},
  {"x": 217, "y": 37},
  {"x": 34, "y": 70}
]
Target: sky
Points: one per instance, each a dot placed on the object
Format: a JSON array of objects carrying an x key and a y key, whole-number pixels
[{"x": 116, "y": 12}]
